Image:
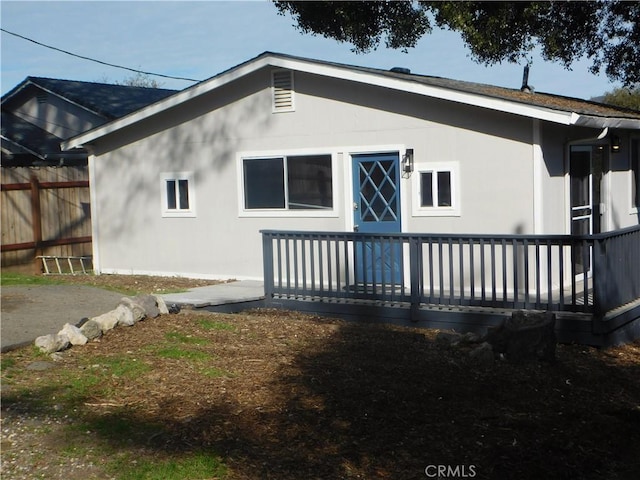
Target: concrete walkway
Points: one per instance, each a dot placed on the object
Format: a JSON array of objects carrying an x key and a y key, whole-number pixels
[{"x": 225, "y": 294}]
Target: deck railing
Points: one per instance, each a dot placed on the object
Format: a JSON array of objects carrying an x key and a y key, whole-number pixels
[{"x": 585, "y": 274}]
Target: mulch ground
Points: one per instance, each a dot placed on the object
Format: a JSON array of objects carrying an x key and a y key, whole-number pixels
[{"x": 281, "y": 395}]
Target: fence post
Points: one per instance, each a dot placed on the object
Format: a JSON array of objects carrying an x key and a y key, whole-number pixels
[
  {"x": 36, "y": 220},
  {"x": 415, "y": 271},
  {"x": 267, "y": 262}
]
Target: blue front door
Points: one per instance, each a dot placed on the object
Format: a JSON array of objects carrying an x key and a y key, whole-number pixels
[{"x": 376, "y": 209}]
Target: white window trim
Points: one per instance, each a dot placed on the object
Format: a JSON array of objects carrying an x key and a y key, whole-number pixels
[
  {"x": 283, "y": 212},
  {"x": 176, "y": 213},
  {"x": 451, "y": 211},
  {"x": 633, "y": 208}
]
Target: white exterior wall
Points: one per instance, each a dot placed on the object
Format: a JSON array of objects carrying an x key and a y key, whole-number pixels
[{"x": 493, "y": 153}]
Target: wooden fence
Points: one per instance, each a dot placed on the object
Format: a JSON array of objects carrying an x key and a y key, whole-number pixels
[{"x": 44, "y": 211}]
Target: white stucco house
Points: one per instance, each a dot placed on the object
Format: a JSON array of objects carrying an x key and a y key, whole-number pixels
[{"x": 185, "y": 185}]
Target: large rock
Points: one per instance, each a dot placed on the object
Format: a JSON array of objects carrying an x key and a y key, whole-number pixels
[
  {"x": 91, "y": 329},
  {"x": 162, "y": 306},
  {"x": 75, "y": 335},
  {"x": 107, "y": 321},
  {"x": 137, "y": 310},
  {"x": 125, "y": 315},
  {"x": 52, "y": 343},
  {"x": 525, "y": 337},
  {"x": 482, "y": 354},
  {"x": 149, "y": 303}
]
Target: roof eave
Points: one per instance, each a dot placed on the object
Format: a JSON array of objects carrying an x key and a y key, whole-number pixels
[
  {"x": 603, "y": 122},
  {"x": 331, "y": 70}
]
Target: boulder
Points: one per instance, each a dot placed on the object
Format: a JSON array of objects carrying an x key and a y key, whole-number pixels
[
  {"x": 75, "y": 335},
  {"x": 482, "y": 354},
  {"x": 91, "y": 329},
  {"x": 149, "y": 304},
  {"x": 137, "y": 310},
  {"x": 52, "y": 343},
  {"x": 125, "y": 315},
  {"x": 525, "y": 337},
  {"x": 107, "y": 321},
  {"x": 162, "y": 306}
]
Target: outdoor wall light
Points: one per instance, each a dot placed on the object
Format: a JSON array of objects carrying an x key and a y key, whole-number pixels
[
  {"x": 615, "y": 144},
  {"x": 407, "y": 161}
]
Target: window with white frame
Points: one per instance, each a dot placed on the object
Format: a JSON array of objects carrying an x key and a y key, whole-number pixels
[
  {"x": 177, "y": 194},
  {"x": 291, "y": 182},
  {"x": 635, "y": 174},
  {"x": 435, "y": 187}
]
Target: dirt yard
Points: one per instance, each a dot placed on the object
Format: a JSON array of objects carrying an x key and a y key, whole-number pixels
[{"x": 280, "y": 395}]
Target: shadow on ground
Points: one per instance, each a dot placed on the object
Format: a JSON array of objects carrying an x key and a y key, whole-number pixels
[{"x": 376, "y": 402}]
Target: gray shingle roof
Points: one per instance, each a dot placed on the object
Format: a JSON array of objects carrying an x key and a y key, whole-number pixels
[{"x": 110, "y": 101}]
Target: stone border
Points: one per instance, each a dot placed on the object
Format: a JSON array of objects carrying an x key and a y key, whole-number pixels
[{"x": 129, "y": 311}]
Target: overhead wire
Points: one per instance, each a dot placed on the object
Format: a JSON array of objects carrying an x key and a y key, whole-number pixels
[{"x": 97, "y": 61}]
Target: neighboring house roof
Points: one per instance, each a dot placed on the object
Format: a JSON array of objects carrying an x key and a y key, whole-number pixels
[
  {"x": 107, "y": 100},
  {"x": 22, "y": 137},
  {"x": 552, "y": 108},
  {"x": 24, "y": 143}
]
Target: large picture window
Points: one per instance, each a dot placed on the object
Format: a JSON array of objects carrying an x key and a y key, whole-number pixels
[{"x": 295, "y": 182}]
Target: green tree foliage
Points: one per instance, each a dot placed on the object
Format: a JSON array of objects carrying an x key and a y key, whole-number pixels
[
  {"x": 606, "y": 32},
  {"x": 624, "y": 97}
]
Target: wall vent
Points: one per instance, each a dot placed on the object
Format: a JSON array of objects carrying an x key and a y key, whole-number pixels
[{"x": 282, "y": 88}]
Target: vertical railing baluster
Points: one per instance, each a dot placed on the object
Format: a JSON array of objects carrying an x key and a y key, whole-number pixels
[
  {"x": 493, "y": 270},
  {"x": 516, "y": 286},
  {"x": 561, "y": 274},
  {"x": 538, "y": 275},
  {"x": 472, "y": 270},
  {"x": 549, "y": 275},
  {"x": 461, "y": 256},
  {"x": 527, "y": 298}
]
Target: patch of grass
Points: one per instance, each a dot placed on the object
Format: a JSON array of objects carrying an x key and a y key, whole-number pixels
[
  {"x": 199, "y": 466},
  {"x": 182, "y": 338},
  {"x": 6, "y": 363},
  {"x": 208, "y": 324},
  {"x": 122, "y": 366},
  {"x": 12, "y": 278},
  {"x": 178, "y": 353}
]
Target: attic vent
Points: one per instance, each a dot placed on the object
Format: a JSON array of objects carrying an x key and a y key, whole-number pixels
[
  {"x": 282, "y": 87},
  {"x": 42, "y": 97}
]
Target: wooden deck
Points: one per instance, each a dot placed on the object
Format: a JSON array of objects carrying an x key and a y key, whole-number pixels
[{"x": 463, "y": 282}]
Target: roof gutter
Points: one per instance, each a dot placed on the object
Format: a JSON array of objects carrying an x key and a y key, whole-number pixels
[{"x": 604, "y": 122}]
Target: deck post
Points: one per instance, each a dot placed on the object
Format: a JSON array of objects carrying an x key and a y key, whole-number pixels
[
  {"x": 599, "y": 281},
  {"x": 267, "y": 261},
  {"x": 414, "y": 276}
]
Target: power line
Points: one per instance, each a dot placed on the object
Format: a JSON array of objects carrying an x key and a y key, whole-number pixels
[{"x": 98, "y": 61}]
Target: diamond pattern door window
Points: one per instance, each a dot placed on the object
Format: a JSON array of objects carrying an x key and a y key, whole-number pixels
[{"x": 378, "y": 191}]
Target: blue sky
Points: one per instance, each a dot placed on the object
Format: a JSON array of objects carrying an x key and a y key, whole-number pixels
[{"x": 200, "y": 39}]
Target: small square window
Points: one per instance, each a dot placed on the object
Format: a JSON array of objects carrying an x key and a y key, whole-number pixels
[
  {"x": 177, "y": 195},
  {"x": 435, "y": 190}
]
